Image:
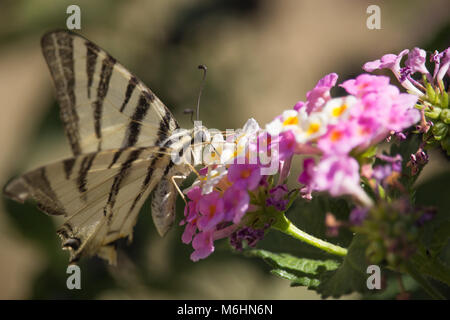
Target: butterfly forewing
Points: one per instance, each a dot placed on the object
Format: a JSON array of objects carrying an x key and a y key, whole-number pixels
[{"x": 102, "y": 105}]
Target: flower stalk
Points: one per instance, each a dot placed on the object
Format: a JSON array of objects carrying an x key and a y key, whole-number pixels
[{"x": 286, "y": 226}]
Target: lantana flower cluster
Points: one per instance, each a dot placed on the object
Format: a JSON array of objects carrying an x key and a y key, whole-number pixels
[
  {"x": 221, "y": 196},
  {"x": 238, "y": 199},
  {"x": 430, "y": 87},
  {"x": 342, "y": 128}
]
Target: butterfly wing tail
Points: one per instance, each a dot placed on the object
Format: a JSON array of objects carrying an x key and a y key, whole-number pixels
[
  {"x": 16, "y": 190},
  {"x": 35, "y": 185}
]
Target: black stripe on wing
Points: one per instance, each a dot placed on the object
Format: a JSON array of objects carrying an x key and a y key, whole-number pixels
[
  {"x": 91, "y": 61},
  {"x": 86, "y": 165},
  {"x": 130, "y": 88},
  {"x": 102, "y": 91},
  {"x": 124, "y": 171},
  {"x": 57, "y": 49}
]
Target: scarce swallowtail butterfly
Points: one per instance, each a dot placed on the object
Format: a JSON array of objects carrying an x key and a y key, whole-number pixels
[{"x": 119, "y": 133}]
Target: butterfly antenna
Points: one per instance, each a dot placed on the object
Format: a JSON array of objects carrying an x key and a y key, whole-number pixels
[{"x": 204, "y": 68}]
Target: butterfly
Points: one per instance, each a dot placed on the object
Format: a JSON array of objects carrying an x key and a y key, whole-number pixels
[{"x": 118, "y": 131}]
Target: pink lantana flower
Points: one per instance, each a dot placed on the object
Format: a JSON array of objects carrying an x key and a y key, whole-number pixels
[
  {"x": 444, "y": 65},
  {"x": 189, "y": 231},
  {"x": 203, "y": 245},
  {"x": 382, "y": 108},
  {"x": 212, "y": 212},
  {"x": 364, "y": 84},
  {"x": 307, "y": 178},
  {"x": 387, "y": 61},
  {"x": 236, "y": 204},
  {"x": 191, "y": 214},
  {"x": 244, "y": 176},
  {"x": 286, "y": 144},
  {"x": 392, "y": 62},
  {"x": 339, "y": 175},
  {"x": 341, "y": 138},
  {"x": 317, "y": 97},
  {"x": 402, "y": 113},
  {"x": 416, "y": 61}
]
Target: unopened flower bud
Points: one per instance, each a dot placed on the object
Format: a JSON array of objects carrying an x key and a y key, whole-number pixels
[
  {"x": 445, "y": 116},
  {"x": 444, "y": 100},
  {"x": 433, "y": 112}
]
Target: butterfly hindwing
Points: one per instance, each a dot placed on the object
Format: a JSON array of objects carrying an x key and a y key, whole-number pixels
[
  {"x": 163, "y": 204},
  {"x": 102, "y": 105},
  {"x": 101, "y": 202}
]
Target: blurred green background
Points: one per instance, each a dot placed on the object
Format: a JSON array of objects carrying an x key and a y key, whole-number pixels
[{"x": 262, "y": 57}]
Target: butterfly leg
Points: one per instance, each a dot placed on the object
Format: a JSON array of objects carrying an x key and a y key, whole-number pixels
[
  {"x": 172, "y": 178},
  {"x": 193, "y": 169}
]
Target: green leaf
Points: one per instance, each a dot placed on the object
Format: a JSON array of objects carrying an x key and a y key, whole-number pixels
[
  {"x": 440, "y": 238},
  {"x": 350, "y": 276},
  {"x": 296, "y": 280},
  {"x": 430, "y": 266},
  {"x": 300, "y": 271},
  {"x": 368, "y": 154},
  {"x": 436, "y": 232},
  {"x": 419, "y": 277}
]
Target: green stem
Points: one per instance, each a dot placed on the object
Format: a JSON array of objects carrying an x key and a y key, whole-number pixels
[{"x": 286, "y": 226}]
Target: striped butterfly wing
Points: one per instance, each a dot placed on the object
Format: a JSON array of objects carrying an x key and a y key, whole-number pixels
[
  {"x": 100, "y": 202},
  {"x": 102, "y": 105},
  {"x": 116, "y": 128}
]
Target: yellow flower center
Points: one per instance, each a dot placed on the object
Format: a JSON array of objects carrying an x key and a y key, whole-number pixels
[
  {"x": 337, "y": 112},
  {"x": 290, "y": 121},
  {"x": 313, "y": 128},
  {"x": 238, "y": 150}
]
